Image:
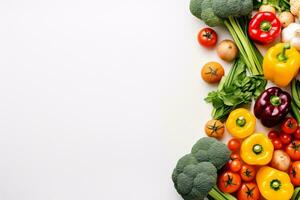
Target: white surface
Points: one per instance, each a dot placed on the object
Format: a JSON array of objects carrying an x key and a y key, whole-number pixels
[{"x": 98, "y": 99}]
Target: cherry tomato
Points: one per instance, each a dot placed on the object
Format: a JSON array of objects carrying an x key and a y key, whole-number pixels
[
  {"x": 234, "y": 144},
  {"x": 293, "y": 150},
  {"x": 235, "y": 165},
  {"x": 234, "y": 156},
  {"x": 297, "y": 133},
  {"x": 273, "y": 134},
  {"x": 277, "y": 143},
  {"x": 295, "y": 173},
  {"x": 248, "y": 191},
  {"x": 289, "y": 125},
  {"x": 247, "y": 172},
  {"x": 229, "y": 182},
  {"x": 207, "y": 37},
  {"x": 285, "y": 138}
]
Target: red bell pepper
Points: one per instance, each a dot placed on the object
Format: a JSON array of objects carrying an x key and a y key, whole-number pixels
[{"x": 264, "y": 27}]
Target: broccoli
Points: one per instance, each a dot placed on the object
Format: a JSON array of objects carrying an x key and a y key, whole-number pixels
[
  {"x": 234, "y": 14},
  {"x": 195, "y": 174},
  {"x": 194, "y": 181},
  {"x": 211, "y": 150},
  {"x": 235, "y": 8}
]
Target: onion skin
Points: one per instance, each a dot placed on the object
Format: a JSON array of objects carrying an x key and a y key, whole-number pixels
[
  {"x": 280, "y": 160},
  {"x": 227, "y": 50}
]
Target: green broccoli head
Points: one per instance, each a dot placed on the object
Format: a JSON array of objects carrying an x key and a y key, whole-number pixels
[
  {"x": 193, "y": 180},
  {"x": 234, "y": 8},
  {"x": 202, "y": 9},
  {"x": 211, "y": 150}
]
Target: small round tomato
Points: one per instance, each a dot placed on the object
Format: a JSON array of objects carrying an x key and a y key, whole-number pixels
[
  {"x": 293, "y": 150},
  {"x": 277, "y": 143},
  {"x": 297, "y": 133},
  {"x": 273, "y": 134},
  {"x": 247, "y": 172},
  {"x": 295, "y": 173},
  {"x": 234, "y": 144},
  {"x": 234, "y": 156},
  {"x": 285, "y": 138},
  {"x": 229, "y": 182},
  {"x": 248, "y": 191},
  {"x": 289, "y": 125},
  {"x": 207, "y": 37},
  {"x": 235, "y": 165},
  {"x": 214, "y": 128}
]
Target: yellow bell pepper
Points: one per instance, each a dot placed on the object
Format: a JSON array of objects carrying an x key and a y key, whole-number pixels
[
  {"x": 257, "y": 149},
  {"x": 281, "y": 64},
  {"x": 274, "y": 184},
  {"x": 240, "y": 123}
]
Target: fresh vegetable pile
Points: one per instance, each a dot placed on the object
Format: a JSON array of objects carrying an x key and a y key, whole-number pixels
[{"x": 255, "y": 164}]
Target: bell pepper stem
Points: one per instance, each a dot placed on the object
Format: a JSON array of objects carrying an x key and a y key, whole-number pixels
[
  {"x": 257, "y": 148},
  {"x": 241, "y": 121},
  {"x": 275, "y": 100},
  {"x": 282, "y": 56},
  {"x": 275, "y": 184},
  {"x": 265, "y": 26}
]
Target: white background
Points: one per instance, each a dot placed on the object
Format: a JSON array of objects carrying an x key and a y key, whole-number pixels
[{"x": 98, "y": 99}]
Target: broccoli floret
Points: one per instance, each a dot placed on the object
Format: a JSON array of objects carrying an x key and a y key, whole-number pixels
[
  {"x": 196, "y": 8},
  {"x": 234, "y": 8},
  {"x": 208, "y": 15},
  {"x": 211, "y": 150},
  {"x": 202, "y": 9},
  {"x": 194, "y": 180}
]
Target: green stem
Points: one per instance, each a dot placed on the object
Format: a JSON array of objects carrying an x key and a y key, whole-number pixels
[{"x": 295, "y": 111}]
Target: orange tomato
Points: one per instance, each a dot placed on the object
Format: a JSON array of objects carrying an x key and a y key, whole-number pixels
[
  {"x": 229, "y": 182},
  {"x": 247, "y": 172},
  {"x": 295, "y": 173},
  {"x": 212, "y": 72}
]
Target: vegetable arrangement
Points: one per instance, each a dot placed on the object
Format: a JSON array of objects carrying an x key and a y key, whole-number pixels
[{"x": 253, "y": 165}]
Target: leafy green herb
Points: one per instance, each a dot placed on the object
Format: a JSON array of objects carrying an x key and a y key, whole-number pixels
[
  {"x": 279, "y": 5},
  {"x": 235, "y": 90}
]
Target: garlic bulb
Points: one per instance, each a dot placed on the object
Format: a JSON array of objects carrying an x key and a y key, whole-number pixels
[{"x": 291, "y": 34}]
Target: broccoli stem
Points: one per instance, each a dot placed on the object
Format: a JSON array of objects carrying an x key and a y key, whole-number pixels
[{"x": 248, "y": 51}]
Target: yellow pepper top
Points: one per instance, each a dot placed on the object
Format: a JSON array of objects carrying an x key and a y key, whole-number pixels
[
  {"x": 281, "y": 64},
  {"x": 240, "y": 123},
  {"x": 274, "y": 184},
  {"x": 257, "y": 149}
]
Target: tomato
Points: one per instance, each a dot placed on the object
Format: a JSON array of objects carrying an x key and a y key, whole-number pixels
[
  {"x": 207, "y": 37},
  {"x": 234, "y": 144},
  {"x": 297, "y": 133},
  {"x": 248, "y": 191},
  {"x": 212, "y": 72},
  {"x": 293, "y": 150},
  {"x": 289, "y": 125},
  {"x": 273, "y": 134},
  {"x": 229, "y": 182},
  {"x": 235, "y": 165},
  {"x": 234, "y": 156},
  {"x": 285, "y": 138},
  {"x": 247, "y": 172},
  {"x": 277, "y": 143},
  {"x": 214, "y": 128},
  {"x": 294, "y": 173}
]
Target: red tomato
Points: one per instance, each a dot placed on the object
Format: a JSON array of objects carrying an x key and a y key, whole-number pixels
[
  {"x": 229, "y": 182},
  {"x": 234, "y": 156},
  {"x": 235, "y": 165},
  {"x": 234, "y": 144},
  {"x": 273, "y": 134},
  {"x": 295, "y": 173},
  {"x": 293, "y": 150},
  {"x": 247, "y": 172},
  {"x": 297, "y": 133},
  {"x": 207, "y": 37},
  {"x": 277, "y": 143},
  {"x": 285, "y": 138},
  {"x": 289, "y": 125},
  {"x": 248, "y": 191}
]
